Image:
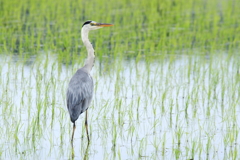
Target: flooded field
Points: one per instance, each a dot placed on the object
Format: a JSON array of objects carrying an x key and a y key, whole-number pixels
[
  {"x": 174, "y": 107},
  {"x": 166, "y": 76}
]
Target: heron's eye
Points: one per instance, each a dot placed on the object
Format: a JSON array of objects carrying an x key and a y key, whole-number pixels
[{"x": 92, "y": 24}]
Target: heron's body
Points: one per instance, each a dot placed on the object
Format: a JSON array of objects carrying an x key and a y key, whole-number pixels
[
  {"x": 80, "y": 88},
  {"x": 79, "y": 93}
]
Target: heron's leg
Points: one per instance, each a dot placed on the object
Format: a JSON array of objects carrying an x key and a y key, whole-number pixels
[
  {"x": 86, "y": 125},
  {"x": 74, "y": 127}
]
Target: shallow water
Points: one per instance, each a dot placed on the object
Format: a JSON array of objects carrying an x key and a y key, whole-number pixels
[{"x": 173, "y": 107}]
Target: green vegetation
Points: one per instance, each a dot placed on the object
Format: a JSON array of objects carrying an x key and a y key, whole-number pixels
[
  {"x": 167, "y": 79},
  {"x": 141, "y": 27}
]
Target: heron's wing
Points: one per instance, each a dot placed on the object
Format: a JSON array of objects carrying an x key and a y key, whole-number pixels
[{"x": 79, "y": 93}]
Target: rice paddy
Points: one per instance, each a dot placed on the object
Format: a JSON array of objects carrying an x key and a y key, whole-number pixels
[{"x": 166, "y": 76}]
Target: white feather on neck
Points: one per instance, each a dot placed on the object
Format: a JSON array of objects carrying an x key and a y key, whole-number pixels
[{"x": 90, "y": 59}]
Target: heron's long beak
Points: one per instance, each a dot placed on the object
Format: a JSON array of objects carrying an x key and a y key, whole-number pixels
[{"x": 103, "y": 24}]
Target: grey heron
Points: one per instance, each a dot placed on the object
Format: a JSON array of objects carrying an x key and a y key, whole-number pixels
[{"x": 80, "y": 87}]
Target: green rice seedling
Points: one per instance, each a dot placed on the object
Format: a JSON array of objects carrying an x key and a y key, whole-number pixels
[
  {"x": 141, "y": 150},
  {"x": 193, "y": 149},
  {"x": 16, "y": 133},
  {"x": 163, "y": 144},
  {"x": 208, "y": 145},
  {"x": 177, "y": 153}
]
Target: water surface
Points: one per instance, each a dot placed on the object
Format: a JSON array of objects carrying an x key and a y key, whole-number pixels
[{"x": 167, "y": 107}]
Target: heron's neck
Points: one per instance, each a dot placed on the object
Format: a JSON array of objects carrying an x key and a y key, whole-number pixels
[{"x": 90, "y": 59}]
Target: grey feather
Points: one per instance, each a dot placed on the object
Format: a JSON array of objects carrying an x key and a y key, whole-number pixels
[{"x": 79, "y": 93}]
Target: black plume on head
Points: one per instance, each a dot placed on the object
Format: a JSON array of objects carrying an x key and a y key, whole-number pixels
[{"x": 87, "y": 22}]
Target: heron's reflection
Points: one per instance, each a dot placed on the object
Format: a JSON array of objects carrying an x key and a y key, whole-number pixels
[{"x": 85, "y": 153}]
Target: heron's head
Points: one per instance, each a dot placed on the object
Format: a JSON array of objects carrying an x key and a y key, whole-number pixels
[{"x": 92, "y": 25}]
